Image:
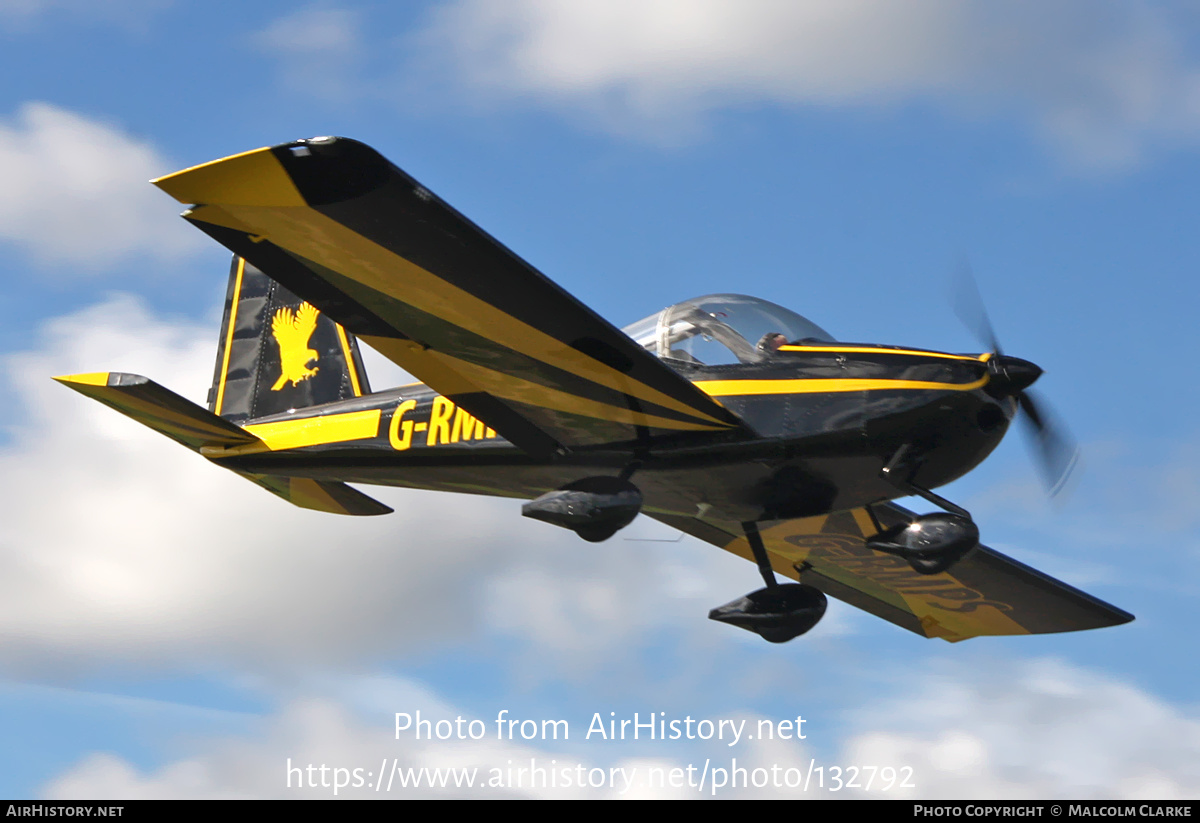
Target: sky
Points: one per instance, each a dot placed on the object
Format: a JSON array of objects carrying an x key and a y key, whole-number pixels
[{"x": 168, "y": 630}]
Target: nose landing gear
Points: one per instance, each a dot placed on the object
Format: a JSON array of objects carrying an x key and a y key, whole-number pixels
[{"x": 931, "y": 543}]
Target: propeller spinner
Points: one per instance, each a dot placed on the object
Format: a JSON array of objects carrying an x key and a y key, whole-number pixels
[{"x": 1055, "y": 449}]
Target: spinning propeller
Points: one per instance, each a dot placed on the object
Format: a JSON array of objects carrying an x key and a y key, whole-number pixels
[{"x": 1054, "y": 447}]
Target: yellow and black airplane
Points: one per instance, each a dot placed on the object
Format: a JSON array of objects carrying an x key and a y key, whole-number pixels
[{"x": 727, "y": 417}]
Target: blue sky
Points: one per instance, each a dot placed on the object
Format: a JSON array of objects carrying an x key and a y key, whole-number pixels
[{"x": 169, "y": 631}]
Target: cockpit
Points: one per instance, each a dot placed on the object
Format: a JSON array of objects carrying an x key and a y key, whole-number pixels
[{"x": 723, "y": 329}]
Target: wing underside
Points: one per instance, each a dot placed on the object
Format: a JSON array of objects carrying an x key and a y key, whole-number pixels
[
  {"x": 337, "y": 224},
  {"x": 985, "y": 593}
]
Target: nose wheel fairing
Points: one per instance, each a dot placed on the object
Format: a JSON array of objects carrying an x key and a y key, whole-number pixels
[{"x": 932, "y": 543}]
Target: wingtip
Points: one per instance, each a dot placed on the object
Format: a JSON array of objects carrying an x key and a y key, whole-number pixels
[
  {"x": 99, "y": 378},
  {"x": 252, "y": 178}
]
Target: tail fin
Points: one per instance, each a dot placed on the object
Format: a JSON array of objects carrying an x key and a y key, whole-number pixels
[{"x": 277, "y": 352}]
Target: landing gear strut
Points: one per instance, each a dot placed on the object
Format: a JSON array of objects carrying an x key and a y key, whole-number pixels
[
  {"x": 931, "y": 543},
  {"x": 777, "y": 613}
]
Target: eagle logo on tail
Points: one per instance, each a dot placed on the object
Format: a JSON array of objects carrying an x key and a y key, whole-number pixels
[{"x": 292, "y": 331}]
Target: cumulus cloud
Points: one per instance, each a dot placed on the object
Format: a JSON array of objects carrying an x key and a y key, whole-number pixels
[
  {"x": 313, "y": 31},
  {"x": 21, "y": 8},
  {"x": 1042, "y": 728},
  {"x": 481, "y": 756},
  {"x": 325, "y": 732},
  {"x": 21, "y": 16},
  {"x": 1100, "y": 86},
  {"x": 318, "y": 49},
  {"x": 1034, "y": 730},
  {"x": 76, "y": 195},
  {"x": 120, "y": 545}
]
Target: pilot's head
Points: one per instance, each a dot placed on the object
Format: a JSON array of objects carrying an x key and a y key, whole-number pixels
[{"x": 770, "y": 342}]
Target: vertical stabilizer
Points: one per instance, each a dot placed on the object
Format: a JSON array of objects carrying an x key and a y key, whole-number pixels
[{"x": 277, "y": 352}]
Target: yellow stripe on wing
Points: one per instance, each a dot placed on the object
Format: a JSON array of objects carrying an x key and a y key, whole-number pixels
[
  {"x": 508, "y": 387},
  {"x": 944, "y": 605},
  {"x": 310, "y": 234},
  {"x": 449, "y": 376},
  {"x": 96, "y": 378},
  {"x": 250, "y": 178},
  {"x": 940, "y": 618},
  {"x": 420, "y": 362},
  {"x": 309, "y": 494}
]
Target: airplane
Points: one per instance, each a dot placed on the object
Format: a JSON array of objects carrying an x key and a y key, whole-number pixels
[{"x": 726, "y": 417}]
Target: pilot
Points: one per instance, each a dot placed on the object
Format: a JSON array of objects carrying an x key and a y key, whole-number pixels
[{"x": 770, "y": 342}]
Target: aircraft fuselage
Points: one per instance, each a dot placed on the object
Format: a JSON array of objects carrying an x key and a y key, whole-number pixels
[{"x": 827, "y": 417}]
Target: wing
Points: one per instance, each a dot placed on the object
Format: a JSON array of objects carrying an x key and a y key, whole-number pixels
[
  {"x": 358, "y": 238},
  {"x": 985, "y": 593}
]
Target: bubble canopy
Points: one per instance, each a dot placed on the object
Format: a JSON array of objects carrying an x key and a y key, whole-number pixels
[{"x": 722, "y": 329}]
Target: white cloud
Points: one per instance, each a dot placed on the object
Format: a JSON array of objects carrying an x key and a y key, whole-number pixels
[
  {"x": 318, "y": 48},
  {"x": 121, "y": 548},
  {"x": 18, "y": 16},
  {"x": 1034, "y": 730},
  {"x": 1100, "y": 87},
  {"x": 120, "y": 545},
  {"x": 338, "y": 730},
  {"x": 1120, "y": 490},
  {"x": 325, "y": 731},
  {"x": 1040, "y": 729},
  {"x": 313, "y": 31},
  {"x": 21, "y": 8},
  {"x": 76, "y": 192}
]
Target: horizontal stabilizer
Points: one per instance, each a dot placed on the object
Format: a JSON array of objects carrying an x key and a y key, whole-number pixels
[
  {"x": 197, "y": 428},
  {"x": 159, "y": 408},
  {"x": 320, "y": 495}
]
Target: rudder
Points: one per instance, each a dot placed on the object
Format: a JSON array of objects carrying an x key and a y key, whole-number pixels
[{"x": 277, "y": 352}]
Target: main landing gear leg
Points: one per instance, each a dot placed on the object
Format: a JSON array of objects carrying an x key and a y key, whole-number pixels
[
  {"x": 760, "y": 554},
  {"x": 931, "y": 543},
  {"x": 777, "y": 613}
]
